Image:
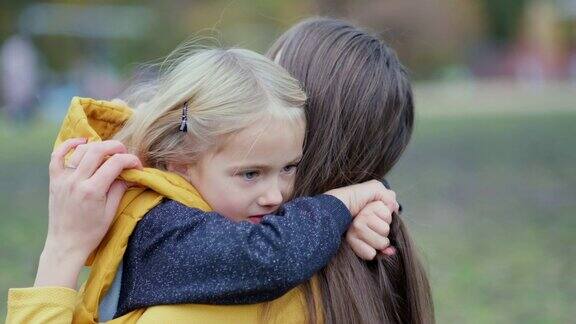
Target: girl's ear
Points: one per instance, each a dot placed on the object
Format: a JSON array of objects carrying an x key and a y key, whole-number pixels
[{"x": 179, "y": 168}]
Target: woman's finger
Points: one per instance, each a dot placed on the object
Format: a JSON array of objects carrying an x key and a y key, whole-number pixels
[
  {"x": 57, "y": 158},
  {"x": 78, "y": 154},
  {"x": 111, "y": 169},
  {"x": 114, "y": 196},
  {"x": 95, "y": 155},
  {"x": 361, "y": 249}
]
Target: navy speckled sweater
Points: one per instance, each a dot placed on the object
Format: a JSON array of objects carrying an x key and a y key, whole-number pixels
[{"x": 179, "y": 255}]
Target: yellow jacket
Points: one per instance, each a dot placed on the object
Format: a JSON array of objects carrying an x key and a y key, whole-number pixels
[{"x": 100, "y": 120}]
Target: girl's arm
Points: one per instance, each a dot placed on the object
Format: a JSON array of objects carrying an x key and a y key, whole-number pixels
[
  {"x": 179, "y": 255},
  {"x": 183, "y": 255}
]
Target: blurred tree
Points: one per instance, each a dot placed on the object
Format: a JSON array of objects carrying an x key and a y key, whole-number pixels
[
  {"x": 428, "y": 35},
  {"x": 9, "y": 10},
  {"x": 336, "y": 8},
  {"x": 503, "y": 18}
]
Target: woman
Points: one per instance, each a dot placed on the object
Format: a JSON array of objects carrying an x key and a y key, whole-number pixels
[{"x": 360, "y": 116}]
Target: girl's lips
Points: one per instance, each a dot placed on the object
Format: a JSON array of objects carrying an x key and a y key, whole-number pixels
[{"x": 255, "y": 219}]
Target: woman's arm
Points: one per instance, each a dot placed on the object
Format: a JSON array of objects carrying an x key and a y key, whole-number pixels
[
  {"x": 84, "y": 196},
  {"x": 83, "y": 201}
]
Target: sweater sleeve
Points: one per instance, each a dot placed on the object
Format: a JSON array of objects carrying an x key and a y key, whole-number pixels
[
  {"x": 41, "y": 305},
  {"x": 182, "y": 255}
]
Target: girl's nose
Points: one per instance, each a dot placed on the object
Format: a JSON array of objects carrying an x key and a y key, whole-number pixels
[{"x": 271, "y": 198}]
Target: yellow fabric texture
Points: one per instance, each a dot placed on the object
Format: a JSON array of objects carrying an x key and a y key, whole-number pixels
[
  {"x": 41, "y": 305},
  {"x": 99, "y": 120}
]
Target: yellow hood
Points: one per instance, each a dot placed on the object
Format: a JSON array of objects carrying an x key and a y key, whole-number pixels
[{"x": 99, "y": 120}]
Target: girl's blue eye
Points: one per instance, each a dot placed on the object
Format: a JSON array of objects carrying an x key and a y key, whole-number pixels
[
  {"x": 250, "y": 175},
  {"x": 290, "y": 168}
]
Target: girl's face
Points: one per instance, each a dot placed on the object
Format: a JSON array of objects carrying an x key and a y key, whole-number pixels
[{"x": 253, "y": 172}]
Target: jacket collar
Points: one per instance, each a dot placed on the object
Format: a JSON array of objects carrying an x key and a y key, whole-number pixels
[{"x": 99, "y": 120}]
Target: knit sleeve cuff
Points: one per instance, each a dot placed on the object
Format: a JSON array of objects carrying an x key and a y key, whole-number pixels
[{"x": 337, "y": 208}]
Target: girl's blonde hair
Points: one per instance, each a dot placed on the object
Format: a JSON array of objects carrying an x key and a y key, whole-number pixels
[{"x": 226, "y": 90}]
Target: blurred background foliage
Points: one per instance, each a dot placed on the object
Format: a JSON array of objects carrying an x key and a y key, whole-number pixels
[{"x": 488, "y": 182}]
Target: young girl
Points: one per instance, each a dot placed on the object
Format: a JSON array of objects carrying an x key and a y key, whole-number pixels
[{"x": 231, "y": 123}]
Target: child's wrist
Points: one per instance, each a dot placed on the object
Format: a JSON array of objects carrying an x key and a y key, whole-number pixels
[
  {"x": 340, "y": 195},
  {"x": 338, "y": 211}
]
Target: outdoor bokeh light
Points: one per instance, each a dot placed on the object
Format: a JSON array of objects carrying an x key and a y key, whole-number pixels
[{"x": 488, "y": 182}]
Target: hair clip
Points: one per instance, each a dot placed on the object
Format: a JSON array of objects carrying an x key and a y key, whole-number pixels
[{"x": 184, "y": 122}]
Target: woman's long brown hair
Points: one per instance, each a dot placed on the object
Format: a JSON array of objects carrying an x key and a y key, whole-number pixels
[{"x": 360, "y": 115}]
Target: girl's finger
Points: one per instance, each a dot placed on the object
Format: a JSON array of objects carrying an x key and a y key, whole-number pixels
[
  {"x": 389, "y": 251},
  {"x": 111, "y": 169},
  {"x": 372, "y": 238},
  {"x": 95, "y": 155},
  {"x": 362, "y": 250},
  {"x": 57, "y": 158},
  {"x": 379, "y": 225},
  {"x": 385, "y": 195},
  {"x": 383, "y": 212},
  {"x": 389, "y": 199}
]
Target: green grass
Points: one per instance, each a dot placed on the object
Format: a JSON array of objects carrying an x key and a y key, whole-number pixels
[
  {"x": 491, "y": 203},
  {"x": 489, "y": 199},
  {"x": 24, "y": 158}
]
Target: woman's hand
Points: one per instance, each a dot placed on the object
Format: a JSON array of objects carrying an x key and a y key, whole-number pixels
[
  {"x": 84, "y": 196},
  {"x": 371, "y": 204}
]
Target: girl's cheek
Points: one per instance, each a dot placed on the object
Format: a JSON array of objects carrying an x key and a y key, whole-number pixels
[{"x": 289, "y": 188}]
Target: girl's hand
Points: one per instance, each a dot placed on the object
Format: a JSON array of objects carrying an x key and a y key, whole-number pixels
[
  {"x": 357, "y": 196},
  {"x": 371, "y": 204},
  {"x": 84, "y": 196},
  {"x": 368, "y": 233}
]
